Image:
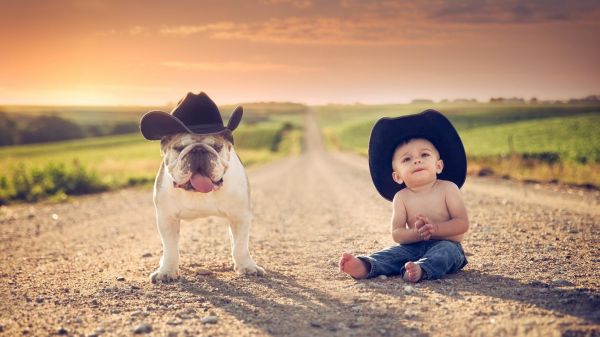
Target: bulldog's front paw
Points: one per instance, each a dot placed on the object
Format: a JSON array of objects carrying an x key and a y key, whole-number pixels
[
  {"x": 249, "y": 269},
  {"x": 160, "y": 275}
]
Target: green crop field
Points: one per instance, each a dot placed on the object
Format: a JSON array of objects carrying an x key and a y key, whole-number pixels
[
  {"x": 124, "y": 160},
  {"x": 558, "y": 142},
  {"x": 99, "y": 115},
  {"x": 531, "y": 142},
  {"x": 119, "y": 158}
]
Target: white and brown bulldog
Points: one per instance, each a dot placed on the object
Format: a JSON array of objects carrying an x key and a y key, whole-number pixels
[{"x": 200, "y": 176}]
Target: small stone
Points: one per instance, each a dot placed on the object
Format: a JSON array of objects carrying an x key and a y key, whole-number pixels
[
  {"x": 174, "y": 321},
  {"x": 94, "y": 302},
  {"x": 410, "y": 314},
  {"x": 54, "y": 216},
  {"x": 120, "y": 278},
  {"x": 409, "y": 289},
  {"x": 39, "y": 299},
  {"x": 315, "y": 324},
  {"x": 25, "y": 331},
  {"x": 1, "y": 328},
  {"x": 62, "y": 331},
  {"x": 139, "y": 313},
  {"x": 354, "y": 325},
  {"x": 203, "y": 271},
  {"x": 382, "y": 277},
  {"x": 143, "y": 328},
  {"x": 210, "y": 320},
  {"x": 561, "y": 283},
  {"x": 147, "y": 254},
  {"x": 186, "y": 313}
]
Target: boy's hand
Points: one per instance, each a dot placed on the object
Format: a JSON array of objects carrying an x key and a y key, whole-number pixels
[{"x": 424, "y": 227}]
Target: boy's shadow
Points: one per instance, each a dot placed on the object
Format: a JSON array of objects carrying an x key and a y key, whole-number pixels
[
  {"x": 278, "y": 305},
  {"x": 581, "y": 302}
]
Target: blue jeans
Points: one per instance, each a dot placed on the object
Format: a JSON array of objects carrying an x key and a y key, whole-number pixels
[{"x": 436, "y": 258}]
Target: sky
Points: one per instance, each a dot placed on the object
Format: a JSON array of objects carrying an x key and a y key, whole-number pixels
[{"x": 126, "y": 52}]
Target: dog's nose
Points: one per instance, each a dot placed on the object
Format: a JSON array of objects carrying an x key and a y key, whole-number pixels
[{"x": 199, "y": 149}]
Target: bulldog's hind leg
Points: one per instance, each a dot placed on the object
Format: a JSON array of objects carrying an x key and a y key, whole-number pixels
[
  {"x": 239, "y": 234},
  {"x": 169, "y": 262}
]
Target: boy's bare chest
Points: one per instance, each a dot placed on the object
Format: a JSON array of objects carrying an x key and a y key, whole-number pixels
[{"x": 433, "y": 206}]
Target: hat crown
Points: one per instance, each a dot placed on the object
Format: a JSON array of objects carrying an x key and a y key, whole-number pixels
[
  {"x": 430, "y": 124},
  {"x": 197, "y": 110},
  {"x": 194, "y": 114}
]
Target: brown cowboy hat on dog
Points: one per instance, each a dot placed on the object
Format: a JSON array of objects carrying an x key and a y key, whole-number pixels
[{"x": 195, "y": 114}]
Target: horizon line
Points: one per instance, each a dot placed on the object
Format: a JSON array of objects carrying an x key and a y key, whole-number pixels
[{"x": 413, "y": 101}]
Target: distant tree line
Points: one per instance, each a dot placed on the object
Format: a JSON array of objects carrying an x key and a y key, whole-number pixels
[
  {"x": 52, "y": 128},
  {"x": 592, "y": 99}
]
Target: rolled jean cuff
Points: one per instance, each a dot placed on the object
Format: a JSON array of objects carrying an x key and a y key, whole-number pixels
[
  {"x": 425, "y": 270},
  {"x": 370, "y": 264}
]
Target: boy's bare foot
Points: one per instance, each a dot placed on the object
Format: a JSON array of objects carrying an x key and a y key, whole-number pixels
[
  {"x": 413, "y": 272},
  {"x": 352, "y": 266}
]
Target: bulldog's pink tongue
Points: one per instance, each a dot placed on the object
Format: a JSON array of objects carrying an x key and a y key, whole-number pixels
[{"x": 201, "y": 183}]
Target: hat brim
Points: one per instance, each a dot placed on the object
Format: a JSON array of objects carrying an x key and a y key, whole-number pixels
[
  {"x": 388, "y": 133},
  {"x": 157, "y": 124}
]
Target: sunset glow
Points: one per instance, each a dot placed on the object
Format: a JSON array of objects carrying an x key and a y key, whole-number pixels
[{"x": 138, "y": 52}]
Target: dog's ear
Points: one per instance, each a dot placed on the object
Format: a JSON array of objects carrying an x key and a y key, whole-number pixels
[
  {"x": 228, "y": 135},
  {"x": 164, "y": 142},
  {"x": 235, "y": 118}
]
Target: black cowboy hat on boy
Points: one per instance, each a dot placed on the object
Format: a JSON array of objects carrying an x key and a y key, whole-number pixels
[
  {"x": 388, "y": 133},
  {"x": 195, "y": 114}
]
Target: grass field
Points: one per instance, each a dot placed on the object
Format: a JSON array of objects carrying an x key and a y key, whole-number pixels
[
  {"x": 100, "y": 115},
  {"x": 558, "y": 142},
  {"x": 527, "y": 142},
  {"x": 117, "y": 161}
]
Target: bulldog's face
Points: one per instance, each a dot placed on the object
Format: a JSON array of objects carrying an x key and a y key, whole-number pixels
[{"x": 197, "y": 162}]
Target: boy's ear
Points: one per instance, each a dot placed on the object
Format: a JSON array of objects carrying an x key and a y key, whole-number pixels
[
  {"x": 439, "y": 166},
  {"x": 397, "y": 177}
]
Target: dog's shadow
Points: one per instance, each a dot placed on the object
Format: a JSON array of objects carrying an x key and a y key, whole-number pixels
[
  {"x": 278, "y": 305},
  {"x": 559, "y": 298}
]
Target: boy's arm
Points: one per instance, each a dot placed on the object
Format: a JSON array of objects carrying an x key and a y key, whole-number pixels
[
  {"x": 458, "y": 223},
  {"x": 400, "y": 232}
]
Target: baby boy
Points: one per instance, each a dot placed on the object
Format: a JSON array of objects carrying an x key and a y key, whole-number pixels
[{"x": 418, "y": 162}]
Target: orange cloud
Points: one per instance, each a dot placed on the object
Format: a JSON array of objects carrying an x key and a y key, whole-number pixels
[
  {"x": 238, "y": 66},
  {"x": 373, "y": 30},
  {"x": 190, "y": 30},
  {"x": 295, "y": 3}
]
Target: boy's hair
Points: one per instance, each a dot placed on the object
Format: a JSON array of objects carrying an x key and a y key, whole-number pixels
[{"x": 408, "y": 140}]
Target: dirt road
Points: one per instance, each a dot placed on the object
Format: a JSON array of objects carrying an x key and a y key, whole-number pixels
[{"x": 81, "y": 268}]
